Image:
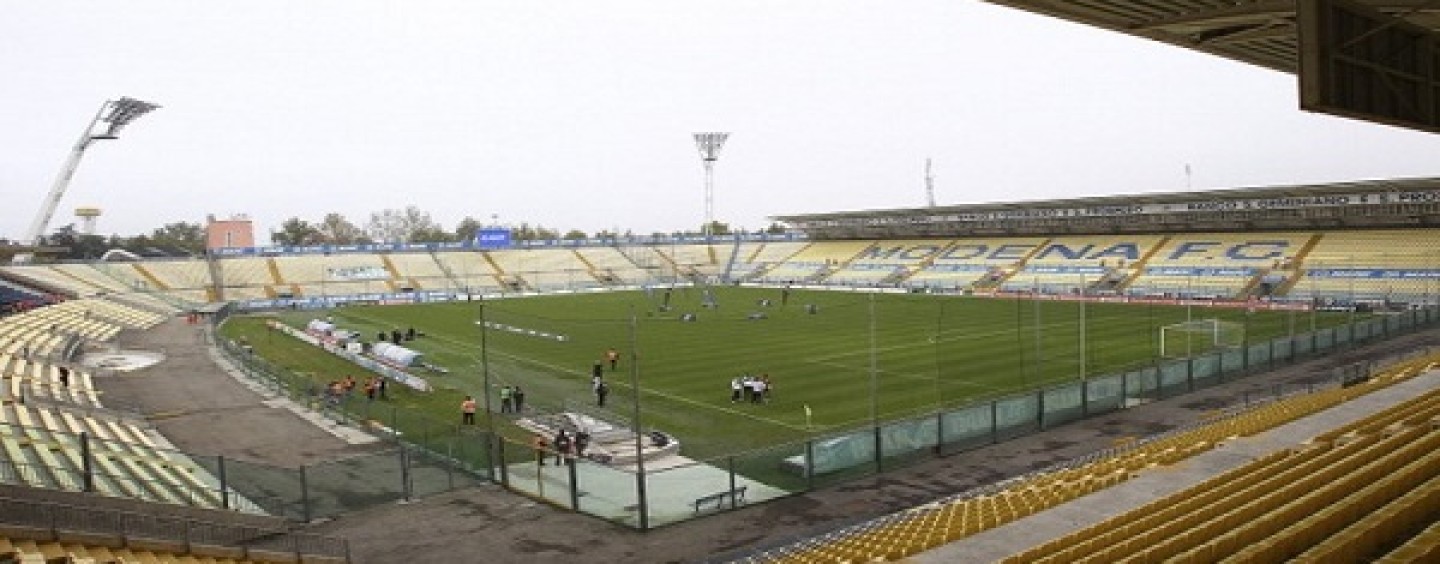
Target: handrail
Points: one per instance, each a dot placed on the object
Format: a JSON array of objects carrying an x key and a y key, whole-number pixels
[
  {"x": 53, "y": 517},
  {"x": 24, "y": 473}
]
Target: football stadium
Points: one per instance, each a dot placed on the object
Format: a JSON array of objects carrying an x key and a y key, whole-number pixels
[{"x": 1249, "y": 374}]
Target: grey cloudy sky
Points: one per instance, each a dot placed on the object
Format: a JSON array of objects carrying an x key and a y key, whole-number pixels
[{"x": 578, "y": 114}]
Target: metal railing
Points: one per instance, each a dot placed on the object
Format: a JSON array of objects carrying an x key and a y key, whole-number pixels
[{"x": 51, "y": 518}]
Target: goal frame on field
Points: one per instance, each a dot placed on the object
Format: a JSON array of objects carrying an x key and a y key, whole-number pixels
[{"x": 1200, "y": 335}]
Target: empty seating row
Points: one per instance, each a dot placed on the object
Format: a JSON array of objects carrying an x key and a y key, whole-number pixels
[
  {"x": 1334, "y": 498},
  {"x": 44, "y": 276},
  {"x": 471, "y": 270},
  {"x": 35, "y": 378},
  {"x": 43, "y": 448},
  {"x": 316, "y": 269},
  {"x": 545, "y": 269},
  {"x": 1388, "y": 248},
  {"x": 613, "y": 266},
  {"x": 24, "y": 551},
  {"x": 422, "y": 266},
  {"x": 175, "y": 274},
  {"x": 922, "y": 528},
  {"x": 247, "y": 271},
  {"x": 706, "y": 260}
]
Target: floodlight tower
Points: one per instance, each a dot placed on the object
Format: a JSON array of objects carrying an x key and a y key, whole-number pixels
[
  {"x": 929, "y": 184},
  {"x": 114, "y": 115},
  {"x": 709, "y": 145}
]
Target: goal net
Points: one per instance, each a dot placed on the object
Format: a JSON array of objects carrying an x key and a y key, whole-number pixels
[{"x": 1189, "y": 338}]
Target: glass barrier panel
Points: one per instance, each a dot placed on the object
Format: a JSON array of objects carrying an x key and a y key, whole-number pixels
[
  {"x": 1143, "y": 384},
  {"x": 1062, "y": 404},
  {"x": 775, "y": 471},
  {"x": 1104, "y": 394},
  {"x": 1232, "y": 363},
  {"x": 355, "y": 483},
  {"x": 842, "y": 458},
  {"x": 1259, "y": 355},
  {"x": 905, "y": 439},
  {"x": 1174, "y": 377},
  {"x": 968, "y": 427},
  {"x": 1325, "y": 339},
  {"x": 276, "y": 490},
  {"x": 1303, "y": 344},
  {"x": 534, "y": 471},
  {"x": 673, "y": 493},
  {"x": 1281, "y": 349},
  {"x": 610, "y": 491},
  {"x": 1016, "y": 416},
  {"x": 429, "y": 473}
]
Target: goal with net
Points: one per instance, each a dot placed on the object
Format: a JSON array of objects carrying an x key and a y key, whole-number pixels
[{"x": 1196, "y": 336}]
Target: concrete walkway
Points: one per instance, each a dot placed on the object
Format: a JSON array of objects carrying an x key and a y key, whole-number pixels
[{"x": 206, "y": 407}]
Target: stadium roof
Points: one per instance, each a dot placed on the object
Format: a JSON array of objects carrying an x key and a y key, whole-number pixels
[
  {"x": 1363, "y": 204},
  {"x": 1259, "y": 32},
  {"x": 1378, "y": 187}
]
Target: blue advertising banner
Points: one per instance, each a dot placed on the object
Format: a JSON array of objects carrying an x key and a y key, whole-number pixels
[{"x": 1373, "y": 273}]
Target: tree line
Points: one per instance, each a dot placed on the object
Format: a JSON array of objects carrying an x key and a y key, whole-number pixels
[{"x": 408, "y": 225}]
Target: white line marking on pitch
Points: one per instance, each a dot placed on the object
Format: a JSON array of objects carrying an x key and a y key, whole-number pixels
[{"x": 581, "y": 374}]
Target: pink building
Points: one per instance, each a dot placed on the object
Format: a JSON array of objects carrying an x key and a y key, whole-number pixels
[{"x": 235, "y": 232}]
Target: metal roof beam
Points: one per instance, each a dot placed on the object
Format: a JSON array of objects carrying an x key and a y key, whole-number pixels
[
  {"x": 1270, "y": 30},
  {"x": 1264, "y": 10}
]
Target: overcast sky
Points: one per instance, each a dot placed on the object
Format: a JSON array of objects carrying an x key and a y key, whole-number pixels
[{"x": 579, "y": 114}]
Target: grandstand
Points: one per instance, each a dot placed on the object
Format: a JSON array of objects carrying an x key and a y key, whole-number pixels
[
  {"x": 752, "y": 259},
  {"x": 1371, "y": 265},
  {"x": 1222, "y": 265},
  {"x": 65, "y": 437},
  {"x": 887, "y": 262},
  {"x": 59, "y": 434},
  {"x": 1362, "y": 490},
  {"x": 1073, "y": 265},
  {"x": 813, "y": 263},
  {"x": 691, "y": 259}
]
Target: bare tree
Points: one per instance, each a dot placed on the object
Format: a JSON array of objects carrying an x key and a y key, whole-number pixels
[
  {"x": 400, "y": 226},
  {"x": 337, "y": 230}
]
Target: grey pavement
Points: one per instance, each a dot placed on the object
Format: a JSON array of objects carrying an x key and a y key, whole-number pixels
[{"x": 200, "y": 407}]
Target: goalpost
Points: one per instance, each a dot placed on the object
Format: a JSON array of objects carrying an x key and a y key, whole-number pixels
[{"x": 1187, "y": 338}]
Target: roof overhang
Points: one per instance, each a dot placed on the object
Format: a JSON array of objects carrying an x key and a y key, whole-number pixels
[{"x": 1259, "y": 32}]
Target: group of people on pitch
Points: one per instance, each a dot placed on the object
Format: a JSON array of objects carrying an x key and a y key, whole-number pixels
[{"x": 755, "y": 389}]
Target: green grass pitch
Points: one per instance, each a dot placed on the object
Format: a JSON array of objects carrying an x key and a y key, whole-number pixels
[{"x": 925, "y": 352}]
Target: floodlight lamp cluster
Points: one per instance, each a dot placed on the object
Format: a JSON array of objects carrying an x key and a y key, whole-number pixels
[
  {"x": 119, "y": 113},
  {"x": 709, "y": 145}
]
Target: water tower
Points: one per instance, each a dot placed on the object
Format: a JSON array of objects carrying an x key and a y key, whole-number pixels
[{"x": 87, "y": 216}]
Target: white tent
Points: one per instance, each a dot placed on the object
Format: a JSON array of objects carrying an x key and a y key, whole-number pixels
[{"x": 395, "y": 354}]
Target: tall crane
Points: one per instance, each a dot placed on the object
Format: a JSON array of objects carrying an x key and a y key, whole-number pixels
[{"x": 113, "y": 116}]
